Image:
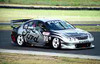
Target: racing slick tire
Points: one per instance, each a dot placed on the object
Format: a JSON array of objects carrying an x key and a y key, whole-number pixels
[
  {"x": 20, "y": 40},
  {"x": 56, "y": 44}
]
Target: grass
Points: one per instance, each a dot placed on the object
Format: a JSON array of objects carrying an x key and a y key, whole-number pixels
[
  {"x": 90, "y": 28},
  {"x": 5, "y": 27},
  {"x": 73, "y": 16},
  {"x": 55, "y": 2},
  {"x": 87, "y": 28},
  {"x": 11, "y": 58}
]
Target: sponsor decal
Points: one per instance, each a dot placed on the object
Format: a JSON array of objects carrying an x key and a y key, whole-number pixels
[
  {"x": 46, "y": 33},
  {"x": 84, "y": 41},
  {"x": 31, "y": 37}
]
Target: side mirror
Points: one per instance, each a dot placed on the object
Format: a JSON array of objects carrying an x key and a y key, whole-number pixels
[{"x": 46, "y": 33}]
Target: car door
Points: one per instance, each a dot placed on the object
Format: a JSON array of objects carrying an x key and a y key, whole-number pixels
[
  {"x": 35, "y": 33},
  {"x": 31, "y": 35},
  {"x": 41, "y": 29}
]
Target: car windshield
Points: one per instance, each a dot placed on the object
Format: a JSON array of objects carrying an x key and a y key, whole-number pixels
[{"x": 59, "y": 25}]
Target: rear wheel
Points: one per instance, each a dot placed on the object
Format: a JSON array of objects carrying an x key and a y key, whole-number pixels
[
  {"x": 20, "y": 40},
  {"x": 56, "y": 44}
]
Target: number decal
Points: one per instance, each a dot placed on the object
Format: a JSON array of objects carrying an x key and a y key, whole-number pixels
[{"x": 45, "y": 38}]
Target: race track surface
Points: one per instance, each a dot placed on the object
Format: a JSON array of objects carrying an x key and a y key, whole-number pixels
[{"x": 5, "y": 43}]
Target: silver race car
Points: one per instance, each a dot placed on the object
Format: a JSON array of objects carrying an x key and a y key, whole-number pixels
[{"x": 57, "y": 34}]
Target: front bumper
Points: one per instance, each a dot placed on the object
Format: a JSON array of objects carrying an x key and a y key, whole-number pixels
[{"x": 77, "y": 45}]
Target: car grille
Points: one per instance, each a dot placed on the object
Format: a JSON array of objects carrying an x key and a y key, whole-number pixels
[
  {"x": 83, "y": 45},
  {"x": 82, "y": 38}
]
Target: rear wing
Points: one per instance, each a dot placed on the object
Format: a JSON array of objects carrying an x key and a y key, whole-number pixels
[{"x": 17, "y": 23}]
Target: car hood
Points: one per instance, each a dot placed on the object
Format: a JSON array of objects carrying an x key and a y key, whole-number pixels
[{"x": 71, "y": 32}]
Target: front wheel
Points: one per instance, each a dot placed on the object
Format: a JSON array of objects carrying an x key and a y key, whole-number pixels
[
  {"x": 20, "y": 40},
  {"x": 56, "y": 44}
]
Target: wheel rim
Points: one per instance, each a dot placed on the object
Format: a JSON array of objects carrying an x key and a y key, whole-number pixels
[
  {"x": 20, "y": 40},
  {"x": 55, "y": 43}
]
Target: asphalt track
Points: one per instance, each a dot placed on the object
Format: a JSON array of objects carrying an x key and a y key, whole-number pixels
[{"x": 5, "y": 43}]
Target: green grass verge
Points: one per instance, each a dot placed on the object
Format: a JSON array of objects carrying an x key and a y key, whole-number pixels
[
  {"x": 90, "y": 28},
  {"x": 56, "y": 2},
  {"x": 73, "y": 16},
  {"x": 87, "y": 28},
  {"x": 5, "y": 27},
  {"x": 12, "y": 58}
]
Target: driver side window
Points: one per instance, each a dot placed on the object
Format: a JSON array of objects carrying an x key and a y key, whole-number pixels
[
  {"x": 29, "y": 24},
  {"x": 41, "y": 27}
]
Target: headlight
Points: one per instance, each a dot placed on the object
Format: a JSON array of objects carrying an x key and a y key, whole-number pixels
[
  {"x": 90, "y": 36},
  {"x": 73, "y": 39},
  {"x": 70, "y": 39}
]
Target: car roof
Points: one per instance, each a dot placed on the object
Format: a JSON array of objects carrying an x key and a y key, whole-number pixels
[{"x": 46, "y": 20}]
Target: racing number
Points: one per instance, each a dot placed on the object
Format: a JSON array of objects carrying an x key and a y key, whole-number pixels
[{"x": 45, "y": 38}]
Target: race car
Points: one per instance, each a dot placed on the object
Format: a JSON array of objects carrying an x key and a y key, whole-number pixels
[{"x": 54, "y": 33}]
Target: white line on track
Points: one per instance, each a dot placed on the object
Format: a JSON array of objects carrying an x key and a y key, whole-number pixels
[{"x": 50, "y": 54}]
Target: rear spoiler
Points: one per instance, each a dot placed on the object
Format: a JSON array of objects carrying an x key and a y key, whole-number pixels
[{"x": 18, "y": 22}]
